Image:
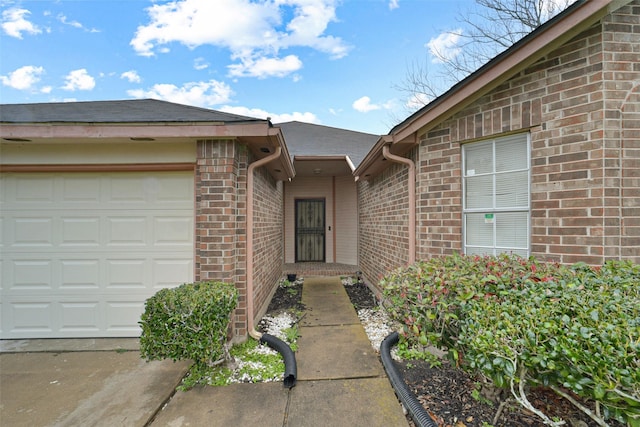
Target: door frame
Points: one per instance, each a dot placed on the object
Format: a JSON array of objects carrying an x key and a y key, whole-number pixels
[{"x": 296, "y": 202}]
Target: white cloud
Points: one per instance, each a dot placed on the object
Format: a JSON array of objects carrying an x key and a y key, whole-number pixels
[
  {"x": 266, "y": 67},
  {"x": 394, "y": 4},
  {"x": 364, "y": 105},
  {"x": 23, "y": 78},
  {"x": 445, "y": 47},
  {"x": 14, "y": 23},
  {"x": 132, "y": 76},
  {"x": 275, "y": 118},
  {"x": 75, "y": 24},
  {"x": 203, "y": 94},
  {"x": 253, "y": 31},
  {"x": 200, "y": 64},
  {"x": 63, "y": 18},
  {"x": 417, "y": 101},
  {"x": 79, "y": 80}
]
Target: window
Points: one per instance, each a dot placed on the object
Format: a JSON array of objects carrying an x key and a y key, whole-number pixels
[{"x": 496, "y": 202}]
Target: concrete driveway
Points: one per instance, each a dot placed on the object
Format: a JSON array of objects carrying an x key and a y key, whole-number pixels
[{"x": 82, "y": 382}]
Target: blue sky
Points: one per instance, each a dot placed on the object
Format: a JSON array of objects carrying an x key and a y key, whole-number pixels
[{"x": 335, "y": 63}]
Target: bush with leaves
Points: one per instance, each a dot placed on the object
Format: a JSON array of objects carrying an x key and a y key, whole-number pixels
[
  {"x": 428, "y": 297},
  {"x": 520, "y": 322},
  {"x": 189, "y": 322}
]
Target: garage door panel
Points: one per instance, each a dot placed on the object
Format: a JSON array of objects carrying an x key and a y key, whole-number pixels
[
  {"x": 82, "y": 316},
  {"x": 127, "y": 231},
  {"x": 123, "y": 317},
  {"x": 83, "y": 251},
  {"x": 81, "y": 189},
  {"x": 33, "y": 190},
  {"x": 127, "y": 273},
  {"x": 80, "y": 231},
  {"x": 173, "y": 192},
  {"x": 170, "y": 272},
  {"x": 80, "y": 275},
  {"x": 29, "y": 319},
  {"x": 172, "y": 230},
  {"x": 32, "y": 232},
  {"x": 30, "y": 275}
]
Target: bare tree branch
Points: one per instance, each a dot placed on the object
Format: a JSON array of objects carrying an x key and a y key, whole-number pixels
[{"x": 490, "y": 28}]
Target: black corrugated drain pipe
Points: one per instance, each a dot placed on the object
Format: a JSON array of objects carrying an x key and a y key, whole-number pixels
[
  {"x": 290, "y": 366},
  {"x": 417, "y": 412}
]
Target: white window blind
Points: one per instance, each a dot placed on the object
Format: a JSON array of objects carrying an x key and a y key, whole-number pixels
[{"x": 497, "y": 195}]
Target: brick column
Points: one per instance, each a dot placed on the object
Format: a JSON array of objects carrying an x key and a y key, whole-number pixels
[{"x": 219, "y": 218}]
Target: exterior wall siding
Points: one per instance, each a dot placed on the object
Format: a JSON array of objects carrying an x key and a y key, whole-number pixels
[
  {"x": 97, "y": 154},
  {"x": 346, "y": 221}
]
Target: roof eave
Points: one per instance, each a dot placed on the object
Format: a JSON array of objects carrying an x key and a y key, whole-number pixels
[
  {"x": 521, "y": 55},
  {"x": 524, "y": 53},
  {"x": 129, "y": 130}
]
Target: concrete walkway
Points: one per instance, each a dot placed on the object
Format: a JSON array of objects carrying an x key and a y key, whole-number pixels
[{"x": 340, "y": 381}]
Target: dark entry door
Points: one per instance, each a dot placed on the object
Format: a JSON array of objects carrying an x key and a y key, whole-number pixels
[{"x": 310, "y": 235}]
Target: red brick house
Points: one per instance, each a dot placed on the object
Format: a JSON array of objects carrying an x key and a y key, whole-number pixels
[
  {"x": 103, "y": 203},
  {"x": 536, "y": 153}
]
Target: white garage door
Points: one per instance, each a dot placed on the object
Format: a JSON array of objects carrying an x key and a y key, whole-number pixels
[{"x": 82, "y": 251}]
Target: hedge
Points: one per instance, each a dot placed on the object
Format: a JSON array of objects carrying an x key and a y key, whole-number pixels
[
  {"x": 188, "y": 322},
  {"x": 521, "y": 322}
]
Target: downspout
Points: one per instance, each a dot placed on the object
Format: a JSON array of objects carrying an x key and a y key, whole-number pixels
[
  {"x": 289, "y": 358},
  {"x": 250, "y": 327},
  {"x": 412, "y": 198}
]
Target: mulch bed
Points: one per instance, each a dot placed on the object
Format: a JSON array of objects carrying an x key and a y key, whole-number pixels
[{"x": 452, "y": 396}]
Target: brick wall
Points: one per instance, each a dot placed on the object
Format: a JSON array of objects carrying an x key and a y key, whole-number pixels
[
  {"x": 584, "y": 149},
  {"x": 268, "y": 245},
  {"x": 220, "y": 218},
  {"x": 621, "y": 75},
  {"x": 221, "y": 231},
  {"x": 383, "y": 222},
  {"x": 581, "y": 105},
  {"x": 439, "y": 197}
]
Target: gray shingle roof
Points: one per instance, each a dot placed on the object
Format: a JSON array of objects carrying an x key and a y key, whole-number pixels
[
  {"x": 306, "y": 139},
  {"x": 125, "y": 111}
]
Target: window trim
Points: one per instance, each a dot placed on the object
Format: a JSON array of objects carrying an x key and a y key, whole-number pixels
[{"x": 495, "y": 249}]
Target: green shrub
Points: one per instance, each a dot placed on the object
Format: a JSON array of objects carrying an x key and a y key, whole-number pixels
[
  {"x": 519, "y": 322},
  {"x": 188, "y": 322},
  {"x": 428, "y": 297}
]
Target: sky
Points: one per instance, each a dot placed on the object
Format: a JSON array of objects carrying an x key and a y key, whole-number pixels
[{"x": 329, "y": 62}]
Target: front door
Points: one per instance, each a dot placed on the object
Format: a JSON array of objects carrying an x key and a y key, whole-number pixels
[{"x": 310, "y": 234}]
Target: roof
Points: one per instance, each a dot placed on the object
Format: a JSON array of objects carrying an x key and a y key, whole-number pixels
[
  {"x": 146, "y": 121},
  {"x": 123, "y": 111},
  {"x": 306, "y": 139}
]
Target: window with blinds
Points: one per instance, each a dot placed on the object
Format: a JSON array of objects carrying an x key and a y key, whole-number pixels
[{"x": 496, "y": 195}]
